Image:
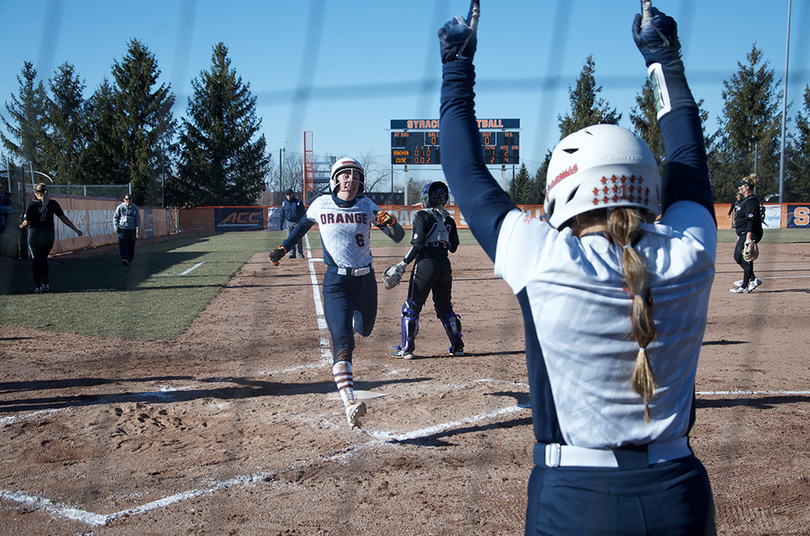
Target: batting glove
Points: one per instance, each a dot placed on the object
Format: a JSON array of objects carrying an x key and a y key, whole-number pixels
[
  {"x": 384, "y": 218},
  {"x": 457, "y": 40},
  {"x": 657, "y": 38},
  {"x": 277, "y": 254}
]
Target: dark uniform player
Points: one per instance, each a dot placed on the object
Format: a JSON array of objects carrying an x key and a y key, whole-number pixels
[
  {"x": 748, "y": 226},
  {"x": 434, "y": 235},
  {"x": 39, "y": 221}
]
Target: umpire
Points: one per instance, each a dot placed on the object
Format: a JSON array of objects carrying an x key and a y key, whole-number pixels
[
  {"x": 748, "y": 226},
  {"x": 293, "y": 210}
]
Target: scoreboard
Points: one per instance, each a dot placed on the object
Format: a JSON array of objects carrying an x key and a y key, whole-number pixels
[{"x": 412, "y": 145}]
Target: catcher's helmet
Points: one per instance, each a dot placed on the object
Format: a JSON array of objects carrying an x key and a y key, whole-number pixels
[
  {"x": 601, "y": 166},
  {"x": 434, "y": 194},
  {"x": 343, "y": 164}
]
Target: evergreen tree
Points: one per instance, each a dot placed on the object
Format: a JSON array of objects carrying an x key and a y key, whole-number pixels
[
  {"x": 26, "y": 116},
  {"x": 538, "y": 194},
  {"x": 64, "y": 127},
  {"x": 644, "y": 117},
  {"x": 520, "y": 187},
  {"x": 586, "y": 108},
  {"x": 797, "y": 188},
  {"x": 750, "y": 128},
  {"x": 101, "y": 162},
  {"x": 143, "y": 115},
  {"x": 219, "y": 161}
]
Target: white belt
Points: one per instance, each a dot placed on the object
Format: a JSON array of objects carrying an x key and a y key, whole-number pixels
[
  {"x": 556, "y": 455},
  {"x": 353, "y": 271}
]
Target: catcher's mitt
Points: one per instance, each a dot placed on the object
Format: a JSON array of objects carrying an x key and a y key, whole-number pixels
[
  {"x": 750, "y": 251},
  {"x": 392, "y": 275}
]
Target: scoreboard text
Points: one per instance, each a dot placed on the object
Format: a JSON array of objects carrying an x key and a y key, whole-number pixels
[{"x": 421, "y": 147}]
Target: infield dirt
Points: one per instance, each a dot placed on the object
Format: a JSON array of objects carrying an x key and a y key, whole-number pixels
[{"x": 233, "y": 428}]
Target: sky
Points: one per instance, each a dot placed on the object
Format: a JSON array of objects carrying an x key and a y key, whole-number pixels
[{"x": 343, "y": 69}]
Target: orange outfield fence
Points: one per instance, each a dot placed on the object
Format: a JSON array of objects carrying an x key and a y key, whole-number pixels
[
  {"x": 218, "y": 219},
  {"x": 94, "y": 217}
]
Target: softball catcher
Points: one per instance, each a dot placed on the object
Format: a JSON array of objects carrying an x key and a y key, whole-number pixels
[
  {"x": 349, "y": 287},
  {"x": 612, "y": 378},
  {"x": 434, "y": 235}
]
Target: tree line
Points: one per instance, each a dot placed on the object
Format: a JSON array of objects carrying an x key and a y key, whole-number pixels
[
  {"x": 748, "y": 139},
  {"x": 125, "y": 133}
]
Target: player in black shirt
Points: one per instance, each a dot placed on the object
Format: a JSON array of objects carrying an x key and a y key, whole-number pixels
[{"x": 434, "y": 235}]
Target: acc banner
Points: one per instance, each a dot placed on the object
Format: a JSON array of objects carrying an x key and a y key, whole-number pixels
[
  {"x": 798, "y": 216},
  {"x": 239, "y": 219}
]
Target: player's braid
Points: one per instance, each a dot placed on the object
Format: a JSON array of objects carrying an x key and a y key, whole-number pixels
[{"x": 623, "y": 229}]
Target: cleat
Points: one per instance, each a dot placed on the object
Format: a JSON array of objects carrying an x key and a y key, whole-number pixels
[
  {"x": 37, "y": 290},
  {"x": 739, "y": 290},
  {"x": 457, "y": 351},
  {"x": 354, "y": 412},
  {"x": 45, "y": 288},
  {"x": 754, "y": 284},
  {"x": 402, "y": 354}
]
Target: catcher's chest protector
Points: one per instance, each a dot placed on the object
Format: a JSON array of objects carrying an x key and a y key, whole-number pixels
[{"x": 439, "y": 232}]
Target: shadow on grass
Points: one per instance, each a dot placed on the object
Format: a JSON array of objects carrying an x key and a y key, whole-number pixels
[{"x": 88, "y": 272}]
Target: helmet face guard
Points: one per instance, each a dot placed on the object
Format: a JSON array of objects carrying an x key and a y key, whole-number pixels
[
  {"x": 357, "y": 174},
  {"x": 601, "y": 166},
  {"x": 434, "y": 194}
]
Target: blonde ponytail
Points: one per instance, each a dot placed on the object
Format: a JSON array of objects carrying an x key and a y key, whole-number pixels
[
  {"x": 623, "y": 228},
  {"x": 43, "y": 190}
]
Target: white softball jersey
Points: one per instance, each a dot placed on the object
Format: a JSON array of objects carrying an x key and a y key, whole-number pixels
[
  {"x": 581, "y": 311},
  {"x": 345, "y": 230}
]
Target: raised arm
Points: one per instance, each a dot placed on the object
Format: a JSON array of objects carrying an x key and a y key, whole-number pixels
[
  {"x": 686, "y": 176},
  {"x": 482, "y": 201}
]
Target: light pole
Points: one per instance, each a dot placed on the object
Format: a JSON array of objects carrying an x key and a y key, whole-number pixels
[{"x": 784, "y": 113}]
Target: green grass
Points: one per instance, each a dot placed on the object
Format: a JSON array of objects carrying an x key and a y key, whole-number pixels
[{"x": 153, "y": 299}]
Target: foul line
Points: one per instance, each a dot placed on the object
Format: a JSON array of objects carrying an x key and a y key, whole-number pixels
[
  {"x": 181, "y": 273},
  {"x": 381, "y": 438},
  {"x": 323, "y": 329}
]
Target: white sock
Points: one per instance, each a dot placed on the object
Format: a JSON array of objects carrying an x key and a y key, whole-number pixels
[{"x": 342, "y": 372}]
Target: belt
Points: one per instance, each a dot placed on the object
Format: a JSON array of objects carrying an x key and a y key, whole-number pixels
[
  {"x": 352, "y": 271},
  {"x": 556, "y": 455}
]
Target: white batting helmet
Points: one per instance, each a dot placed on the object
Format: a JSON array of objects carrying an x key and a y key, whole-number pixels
[
  {"x": 358, "y": 174},
  {"x": 601, "y": 166}
]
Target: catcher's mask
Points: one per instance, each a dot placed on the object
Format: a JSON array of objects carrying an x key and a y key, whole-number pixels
[
  {"x": 434, "y": 194},
  {"x": 601, "y": 166},
  {"x": 344, "y": 164}
]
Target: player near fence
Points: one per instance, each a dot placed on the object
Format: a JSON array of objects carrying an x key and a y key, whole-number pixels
[
  {"x": 126, "y": 222},
  {"x": 345, "y": 219},
  {"x": 434, "y": 236},
  {"x": 38, "y": 219},
  {"x": 748, "y": 226},
  {"x": 614, "y": 303}
]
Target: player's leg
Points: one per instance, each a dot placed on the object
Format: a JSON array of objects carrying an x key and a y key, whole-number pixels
[
  {"x": 748, "y": 268},
  {"x": 442, "y": 302},
  {"x": 339, "y": 299},
  {"x": 418, "y": 289},
  {"x": 365, "y": 307}
]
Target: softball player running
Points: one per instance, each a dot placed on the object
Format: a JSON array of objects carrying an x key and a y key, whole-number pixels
[
  {"x": 612, "y": 378},
  {"x": 349, "y": 287},
  {"x": 434, "y": 234}
]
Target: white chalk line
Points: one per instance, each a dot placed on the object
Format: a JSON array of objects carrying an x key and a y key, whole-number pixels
[
  {"x": 381, "y": 438},
  {"x": 181, "y": 273}
]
